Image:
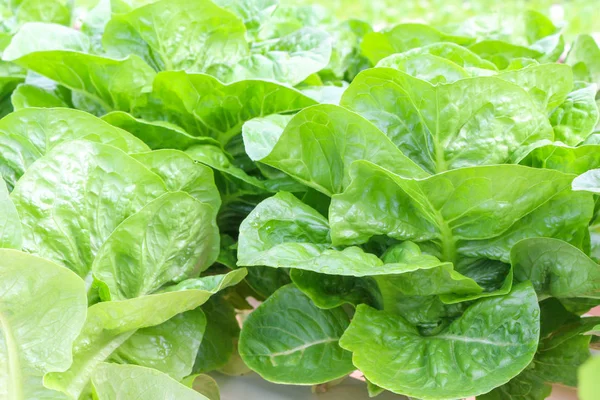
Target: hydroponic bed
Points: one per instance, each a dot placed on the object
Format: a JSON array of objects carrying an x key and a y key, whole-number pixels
[{"x": 197, "y": 189}]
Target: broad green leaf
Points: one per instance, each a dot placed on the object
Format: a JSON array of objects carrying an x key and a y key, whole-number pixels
[
  {"x": 283, "y": 232},
  {"x": 42, "y": 310},
  {"x": 177, "y": 35},
  {"x": 156, "y": 134},
  {"x": 181, "y": 173},
  {"x": 113, "y": 381},
  {"x": 435, "y": 210},
  {"x": 320, "y": 143},
  {"x": 439, "y": 63},
  {"x": 574, "y": 120},
  {"x": 525, "y": 386},
  {"x": 56, "y": 11},
  {"x": 287, "y": 339},
  {"x": 548, "y": 84},
  {"x": 588, "y": 379},
  {"x": 203, "y": 384},
  {"x": 10, "y": 223},
  {"x": 254, "y": 13},
  {"x": 29, "y": 134},
  {"x": 172, "y": 238},
  {"x": 26, "y": 96},
  {"x": 260, "y": 134},
  {"x": 290, "y": 59},
  {"x": 346, "y": 59},
  {"x": 203, "y": 106},
  {"x": 470, "y": 122},
  {"x": 266, "y": 280},
  {"x": 502, "y": 53},
  {"x": 403, "y": 37},
  {"x": 588, "y": 181},
  {"x": 179, "y": 339},
  {"x": 103, "y": 84},
  {"x": 220, "y": 336},
  {"x": 110, "y": 324},
  {"x": 584, "y": 57},
  {"x": 497, "y": 333},
  {"x": 560, "y": 364},
  {"x": 555, "y": 268},
  {"x": 60, "y": 197},
  {"x": 571, "y": 160}
]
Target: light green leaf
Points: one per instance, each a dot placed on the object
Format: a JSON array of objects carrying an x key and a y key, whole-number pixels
[
  {"x": 203, "y": 106},
  {"x": 588, "y": 181},
  {"x": 403, "y": 37},
  {"x": 485, "y": 120},
  {"x": 109, "y": 324},
  {"x": 177, "y": 35},
  {"x": 26, "y": 96},
  {"x": 254, "y": 13},
  {"x": 588, "y": 379},
  {"x": 203, "y": 384},
  {"x": 10, "y": 223},
  {"x": 287, "y": 339},
  {"x": 29, "y": 134},
  {"x": 103, "y": 84},
  {"x": 172, "y": 238},
  {"x": 502, "y": 53},
  {"x": 179, "y": 339},
  {"x": 435, "y": 210},
  {"x": 156, "y": 134},
  {"x": 42, "y": 310},
  {"x": 555, "y": 268},
  {"x": 55, "y": 11},
  {"x": 525, "y": 386},
  {"x": 290, "y": 59},
  {"x": 498, "y": 333},
  {"x": 584, "y": 57},
  {"x": 61, "y": 196},
  {"x": 181, "y": 173},
  {"x": 571, "y": 160},
  {"x": 324, "y": 163},
  {"x": 575, "y": 119},
  {"x": 113, "y": 381}
]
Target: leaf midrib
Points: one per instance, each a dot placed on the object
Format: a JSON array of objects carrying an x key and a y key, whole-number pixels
[{"x": 15, "y": 390}]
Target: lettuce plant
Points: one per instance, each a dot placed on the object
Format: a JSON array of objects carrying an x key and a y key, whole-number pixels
[{"x": 417, "y": 203}]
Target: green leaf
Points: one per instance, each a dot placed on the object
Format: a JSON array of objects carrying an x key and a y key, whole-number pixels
[
  {"x": 588, "y": 181},
  {"x": 110, "y": 324},
  {"x": 254, "y": 13},
  {"x": 403, "y": 37},
  {"x": 26, "y": 96},
  {"x": 10, "y": 223},
  {"x": 559, "y": 364},
  {"x": 435, "y": 210},
  {"x": 290, "y": 59},
  {"x": 220, "y": 336},
  {"x": 55, "y": 11},
  {"x": 83, "y": 179},
  {"x": 204, "y": 385},
  {"x": 413, "y": 121},
  {"x": 287, "y": 339},
  {"x": 498, "y": 333},
  {"x": 180, "y": 240},
  {"x": 156, "y": 134},
  {"x": 179, "y": 339},
  {"x": 203, "y": 106},
  {"x": 555, "y": 268},
  {"x": 177, "y": 35},
  {"x": 181, "y": 173},
  {"x": 502, "y": 53},
  {"x": 584, "y": 57},
  {"x": 331, "y": 291},
  {"x": 103, "y": 84},
  {"x": 588, "y": 379},
  {"x": 42, "y": 310},
  {"x": 571, "y": 160},
  {"x": 574, "y": 120},
  {"x": 113, "y": 381},
  {"x": 324, "y": 163},
  {"x": 525, "y": 386},
  {"x": 28, "y": 134}
]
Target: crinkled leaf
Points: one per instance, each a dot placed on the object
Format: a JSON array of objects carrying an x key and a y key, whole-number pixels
[
  {"x": 574, "y": 120},
  {"x": 10, "y": 223},
  {"x": 571, "y": 160},
  {"x": 584, "y": 57},
  {"x": 26, "y": 96}
]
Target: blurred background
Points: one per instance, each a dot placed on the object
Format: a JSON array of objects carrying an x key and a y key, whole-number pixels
[{"x": 579, "y": 16}]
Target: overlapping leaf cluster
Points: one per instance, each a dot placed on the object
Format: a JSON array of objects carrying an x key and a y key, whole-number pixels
[{"x": 416, "y": 203}]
